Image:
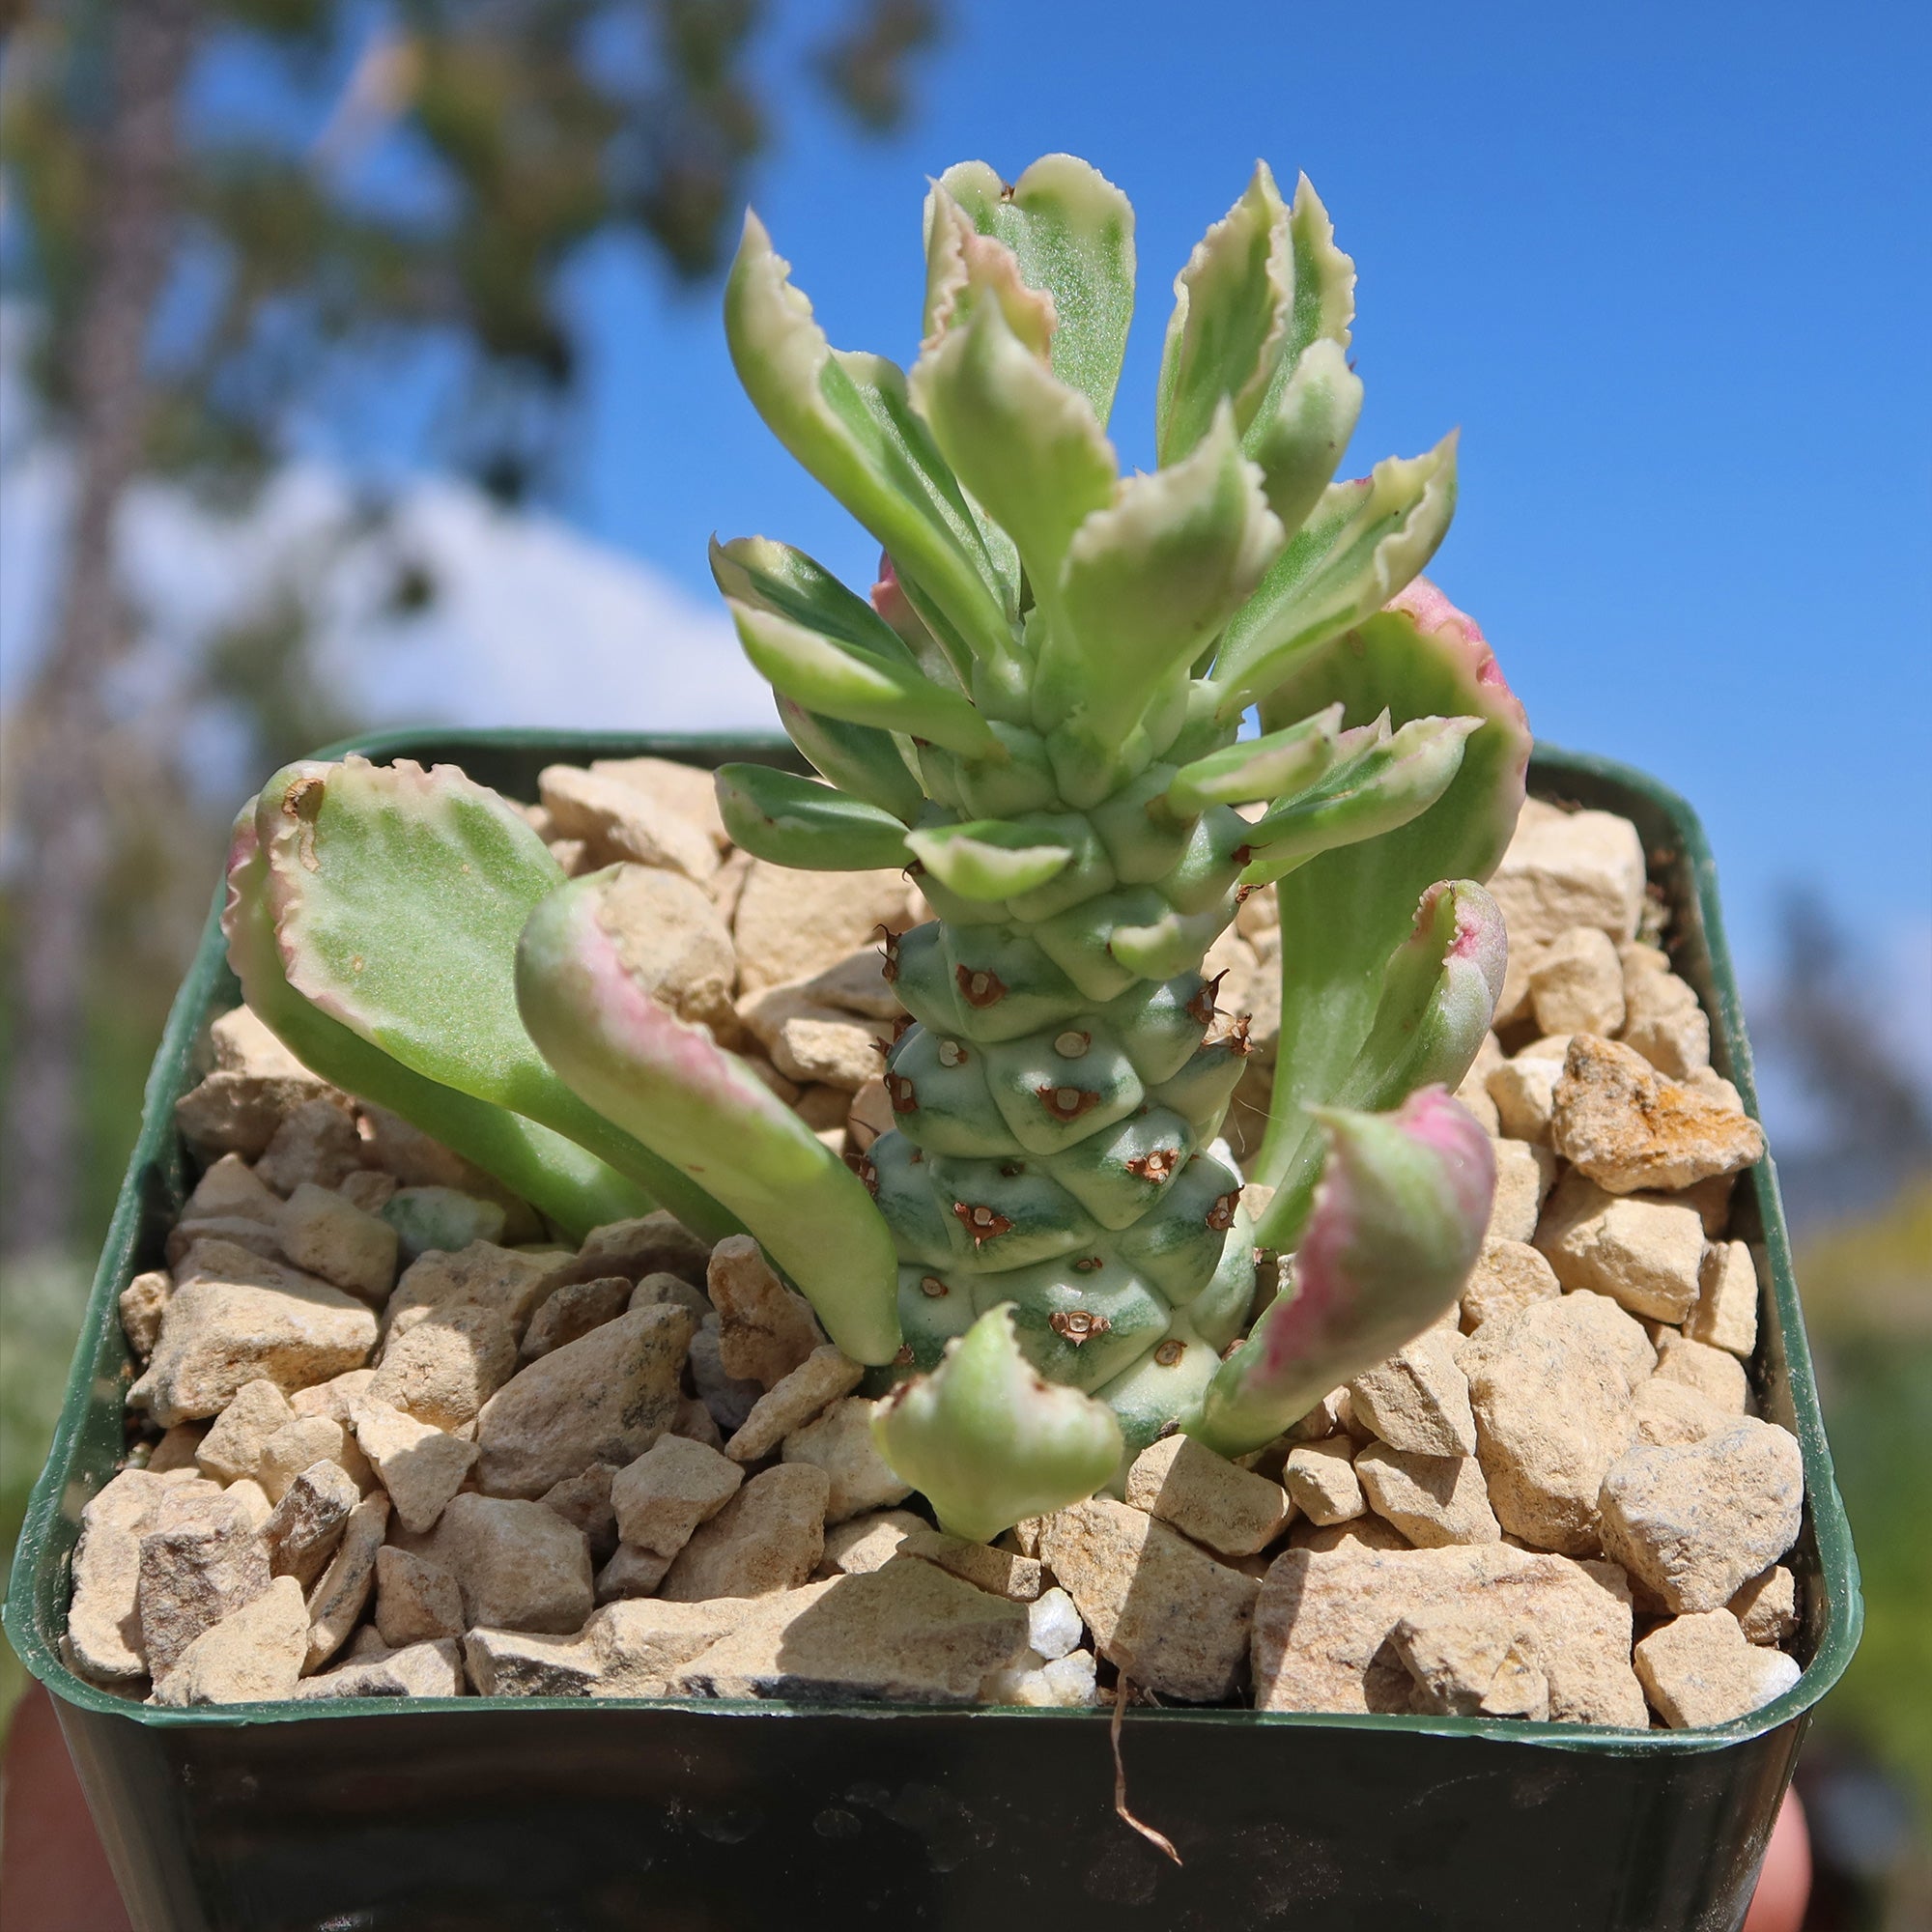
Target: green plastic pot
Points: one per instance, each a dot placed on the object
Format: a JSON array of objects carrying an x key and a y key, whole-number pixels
[{"x": 558, "y": 1815}]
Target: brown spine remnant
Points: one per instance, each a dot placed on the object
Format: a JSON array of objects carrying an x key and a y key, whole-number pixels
[
  {"x": 1200, "y": 1008},
  {"x": 1156, "y": 1164},
  {"x": 952, "y": 1054},
  {"x": 869, "y": 1174},
  {"x": 1066, "y": 1103},
  {"x": 904, "y": 1359},
  {"x": 1236, "y": 1039},
  {"x": 889, "y": 969},
  {"x": 1221, "y": 1216},
  {"x": 1089, "y": 1265},
  {"x": 1076, "y": 1324},
  {"x": 983, "y": 1224},
  {"x": 930, "y": 1286},
  {"x": 903, "y": 1094},
  {"x": 900, "y": 1022},
  {"x": 1012, "y": 1170},
  {"x": 978, "y": 988},
  {"x": 1169, "y": 1352}
]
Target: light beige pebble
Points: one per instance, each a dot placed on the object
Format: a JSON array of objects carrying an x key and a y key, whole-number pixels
[
  {"x": 442, "y": 1220},
  {"x": 585, "y": 1500},
  {"x": 1565, "y": 870},
  {"x": 690, "y": 791},
  {"x": 1629, "y": 1128},
  {"x": 869, "y": 1116},
  {"x": 240, "y": 1042},
  {"x": 789, "y": 926},
  {"x": 1642, "y": 1254},
  {"x": 869, "y": 1542},
  {"x": 1576, "y": 983},
  {"x": 412, "y": 1158},
  {"x": 317, "y": 1142},
  {"x": 224, "y": 1326},
  {"x": 1432, "y": 1499},
  {"x": 430, "y": 1668},
  {"x": 1701, "y": 1669},
  {"x": 518, "y": 1664},
  {"x": 669, "y": 1288},
  {"x": 1321, "y": 1478},
  {"x": 321, "y": 1230},
  {"x": 806, "y": 1392},
  {"x": 230, "y": 1189},
  {"x": 726, "y": 885},
  {"x": 1523, "y": 1176},
  {"x": 1672, "y": 1413},
  {"x": 1474, "y": 1089},
  {"x": 480, "y": 1276},
  {"x": 770, "y": 1535},
  {"x": 417, "y": 1599},
  {"x": 298, "y": 1444},
  {"x": 1467, "y": 1662},
  {"x": 421, "y": 1465},
  {"x": 517, "y": 1565},
  {"x": 1417, "y": 1400},
  {"x": 1126, "y": 1573},
  {"x": 840, "y": 1442},
  {"x": 618, "y": 821},
  {"x": 253, "y": 1655},
  {"x": 1333, "y": 1413},
  {"x": 1206, "y": 1497},
  {"x": 336, "y": 1604},
  {"x": 233, "y": 1444},
  {"x": 637, "y": 1642},
  {"x": 1322, "y": 1622},
  {"x": 1693, "y": 1521},
  {"x": 253, "y": 1498},
  {"x": 103, "y": 1626},
  {"x": 856, "y": 984},
  {"x": 1665, "y": 1022},
  {"x": 909, "y": 1632},
  {"x": 307, "y": 1522},
  {"x": 727, "y": 1399},
  {"x": 141, "y": 1304},
  {"x": 841, "y": 1053},
  {"x": 1522, "y": 1092},
  {"x": 252, "y": 1236},
  {"x": 672, "y": 942},
  {"x": 1366, "y": 1531},
  {"x": 368, "y": 1189},
  {"x": 765, "y": 1331},
  {"x": 1727, "y": 1312},
  {"x": 653, "y": 1243},
  {"x": 338, "y": 1398},
  {"x": 696, "y": 1422},
  {"x": 1551, "y": 1391},
  {"x": 631, "y": 1572},
  {"x": 445, "y": 1368},
  {"x": 1715, "y": 1376},
  {"x": 177, "y": 1448},
  {"x": 193, "y": 1574},
  {"x": 234, "y": 1112},
  {"x": 1508, "y": 1276},
  {"x": 603, "y": 1399},
  {"x": 366, "y": 1644},
  {"x": 675, "y": 1485},
  {"x": 985, "y": 1566},
  {"x": 1766, "y": 1606},
  {"x": 574, "y": 1310}
]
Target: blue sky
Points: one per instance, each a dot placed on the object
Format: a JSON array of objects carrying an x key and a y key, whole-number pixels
[{"x": 1669, "y": 268}]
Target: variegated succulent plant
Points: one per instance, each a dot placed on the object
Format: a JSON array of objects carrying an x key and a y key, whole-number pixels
[{"x": 1038, "y": 712}]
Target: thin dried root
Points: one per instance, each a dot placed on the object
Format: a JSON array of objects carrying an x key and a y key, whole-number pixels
[{"x": 1160, "y": 1841}]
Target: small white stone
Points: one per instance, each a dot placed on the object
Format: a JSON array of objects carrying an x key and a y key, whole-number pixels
[{"x": 1053, "y": 1624}]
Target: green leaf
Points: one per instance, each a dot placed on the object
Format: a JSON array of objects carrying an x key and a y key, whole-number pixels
[
  {"x": 987, "y": 1443},
  {"x": 844, "y": 418},
  {"x": 775, "y": 577},
  {"x": 794, "y": 821},
  {"x": 989, "y": 858},
  {"x": 1272, "y": 767},
  {"x": 858, "y": 759},
  {"x": 706, "y": 1115},
  {"x": 571, "y": 1187},
  {"x": 1363, "y": 542},
  {"x": 1148, "y": 581},
  {"x": 1300, "y": 434},
  {"x": 398, "y": 895},
  {"x": 843, "y": 680},
  {"x": 1073, "y": 233},
  {"x": 1229, "y": 330}
]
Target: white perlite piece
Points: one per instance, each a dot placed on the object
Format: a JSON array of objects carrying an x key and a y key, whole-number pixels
[
  {"x": 1432, "y": 1499},
  {"x": 1321, "y": 1478},
  {"x": 1417, "y": 1400},
  {"x": 1577, "y": 985},
  {"x": 1523, "y": 1175},
  {"x": 675, "y": 1485},
  {"x": 1052, "y": 1625},
  {"x": 1322, "y": 1621},
  {"x": 603, "y": 1399},
  {"x": 1565, "y": 870},
  {"x": 809, "y": 1389},
  {"x": 1206, "y": 1497},
  {"x": 840, "y": 1443},
  {"x": 104, "y": 1625},
  {"x": 421, "y": 1465},
  {"x": 1702, "y": 1670},
  {"x": 1643, "y": 1254},
  {"x": 517, "y": 1565},
  {"x": 1693, "y": 1521},
  {"x": 1063, "y": 1683},
  {"x": 1727, "y": 1312},
  {"x": 1508, "y": 1276},
  {"x": 1125, "y": 1571},
  {"x": 770, "y": 1535},
  {"x": 765, "y": 1331},
  {"x": 253, "y": 1655},
  {"x": 321, "y": 1230}
]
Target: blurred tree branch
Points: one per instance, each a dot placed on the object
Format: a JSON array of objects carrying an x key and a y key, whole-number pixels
[{"x": 224, "y": 208}]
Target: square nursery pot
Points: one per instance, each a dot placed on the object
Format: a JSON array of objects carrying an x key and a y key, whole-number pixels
[{"x": 503, "y": 1814}]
